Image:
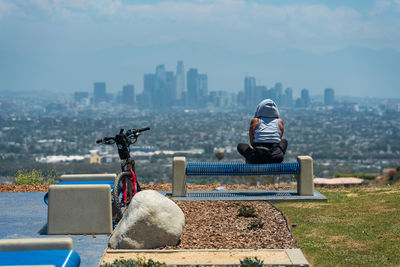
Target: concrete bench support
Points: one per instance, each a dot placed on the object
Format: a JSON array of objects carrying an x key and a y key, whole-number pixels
[
  {"x": 87, "y": 177},
  {"x": 179, "y": 177},
  {"x": 304, "y": 175},
  {"x": 79, "y": 209},
  {"x": 305, "y": 180}
]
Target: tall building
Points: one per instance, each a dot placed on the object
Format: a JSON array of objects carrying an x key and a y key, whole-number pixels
[
  {"x": 304, "y": 100},
  {"x": 80, "y": 96},
  {"x": 170, "y": 88},
  {"x": 289, "y": 97},
  {"x": 249, "y": 91},
  {"x": 202, "y": 81},
  {"x": 99, "y": 92},
  {"x": 329, "y": 97},
  {"x": 277, "y": 93},
  {"x": 128, "y": 94},
  {"x": 192, "y": 87},
  {"x": 180, "y": 80},
  {"x": 149, "y": 85}
]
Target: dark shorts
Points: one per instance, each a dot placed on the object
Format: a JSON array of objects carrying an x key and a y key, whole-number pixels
[{"x": 263, "y": 152}]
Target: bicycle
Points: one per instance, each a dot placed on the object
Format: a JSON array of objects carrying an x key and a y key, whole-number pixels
[{"x": 125, "y": 184}]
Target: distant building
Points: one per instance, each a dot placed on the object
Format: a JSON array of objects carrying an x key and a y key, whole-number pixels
[
  {"x": 165, "y": 89},
  {"x": 149, "y": 85},
  {"x": 99, "y": 92},
  {"x": 329, "y": 97},
  {"x": 180, "y": 80},
  {"x": 80, "y": 96},
  {"x": 250, "y": 91},
  {"x": 277, "y": 93},
  {"x": 289, "y": 97},
  {"x": 202, "y": 82},
  {"x": 95, "y": 159},
  {"x": 170, "y": 96},
  {"x": 304, "y": 100},
  {"x": 192, "y": 87},
  {"x": 128, "y": 94}
]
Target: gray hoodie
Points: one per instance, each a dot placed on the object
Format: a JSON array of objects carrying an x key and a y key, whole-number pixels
[{"x": 267, "y": 109}]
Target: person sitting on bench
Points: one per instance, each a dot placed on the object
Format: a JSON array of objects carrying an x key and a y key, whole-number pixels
[{"x": 265, "y": 133}]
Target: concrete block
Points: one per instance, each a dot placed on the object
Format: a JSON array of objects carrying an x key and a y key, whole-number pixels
[
  {"x": 305, "y": 180},
  {"x": 61, "y": 243},
  {"x": 179, "y": 177},
  {"x": 296, "y": 257},
  {"x": 88, "y": 177},
  {"x": 79, "y": 209}
]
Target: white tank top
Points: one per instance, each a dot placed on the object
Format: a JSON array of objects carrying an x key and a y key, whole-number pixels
[{"x": 267, "y": 131}]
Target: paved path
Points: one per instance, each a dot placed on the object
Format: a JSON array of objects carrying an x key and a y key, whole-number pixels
[{"x": 24, "y": 215}]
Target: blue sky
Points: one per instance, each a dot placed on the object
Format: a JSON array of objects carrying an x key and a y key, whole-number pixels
[{"x": 66, "y": 45}]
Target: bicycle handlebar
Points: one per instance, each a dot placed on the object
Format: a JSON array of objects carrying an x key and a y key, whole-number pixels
[
  {"x": 132, "y": 133},
  {"x": 144, "y": 129}
]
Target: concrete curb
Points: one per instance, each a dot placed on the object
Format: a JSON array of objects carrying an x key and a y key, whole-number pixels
[{"x": 280, "y": 257}]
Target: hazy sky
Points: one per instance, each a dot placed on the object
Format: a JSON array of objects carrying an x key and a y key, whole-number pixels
[{"x": 66, "y": 45}]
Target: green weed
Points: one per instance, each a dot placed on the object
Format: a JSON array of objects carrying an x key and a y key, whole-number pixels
[
  {"x": 35, "y": 177},
  {"x": 246, "y": 211},
  {"x": 251, "y": 262},
  {"x": 140, "y": 262}
]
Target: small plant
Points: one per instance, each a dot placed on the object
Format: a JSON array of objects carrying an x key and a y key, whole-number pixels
[
  {"x": 255, "y": 224},
  {"x": 35, "y": 177},
  {"x": 253, "y": 262},
  {"x": 139, "y": 262},
  {"x": 246, "y": 211}
]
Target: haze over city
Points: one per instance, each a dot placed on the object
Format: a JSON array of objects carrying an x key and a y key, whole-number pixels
[{"x": 65, "y": 46}]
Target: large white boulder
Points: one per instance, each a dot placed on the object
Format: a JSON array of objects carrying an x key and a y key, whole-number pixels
[{"x": 151, "y": 221}]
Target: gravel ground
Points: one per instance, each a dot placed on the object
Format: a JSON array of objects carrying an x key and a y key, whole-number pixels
[{"x": 215, "y": 224}]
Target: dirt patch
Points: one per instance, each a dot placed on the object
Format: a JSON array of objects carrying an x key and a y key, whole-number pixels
[
  {"x": 215, "y": 225},
  {"x": 14, "y": 188}
]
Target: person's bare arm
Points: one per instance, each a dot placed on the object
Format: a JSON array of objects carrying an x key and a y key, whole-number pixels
[
  {"x": 281, "y": 126},
  {"x": 253, "y": 126}
]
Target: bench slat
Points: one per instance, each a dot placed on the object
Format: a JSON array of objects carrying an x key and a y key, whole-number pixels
[{"x": 229, "y": 169}]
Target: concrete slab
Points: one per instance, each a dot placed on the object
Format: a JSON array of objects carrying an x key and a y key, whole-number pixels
[
  {"x": 24, "y": 215},
  {"x": 79, "y": 209},
  {"x": 280, "y": 257}
]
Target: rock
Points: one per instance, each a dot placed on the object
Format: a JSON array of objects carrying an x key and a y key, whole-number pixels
[{"x": 151, "y": 221}]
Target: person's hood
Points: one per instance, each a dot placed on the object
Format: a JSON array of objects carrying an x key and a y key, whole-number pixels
[{"x": 267, "y": 108}]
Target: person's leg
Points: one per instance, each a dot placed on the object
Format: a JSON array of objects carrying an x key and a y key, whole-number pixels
[
  {"x": 278, "y": 152},
  {"x": 245, "y": 150},
  {"x": 283, "y": 145}
]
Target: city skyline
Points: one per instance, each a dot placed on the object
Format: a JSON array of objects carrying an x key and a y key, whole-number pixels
[
  {"x": 352, "y": 46},
  {"x": 165, "y": 89}
]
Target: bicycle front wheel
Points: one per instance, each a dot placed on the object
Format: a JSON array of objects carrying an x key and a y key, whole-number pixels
[{"x": 122, "y": 193}]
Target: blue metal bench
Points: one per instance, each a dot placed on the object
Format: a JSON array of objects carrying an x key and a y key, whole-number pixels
[
  {"x": 58, "y": 258},
  {"x": 229, "y": 169},
  {"x": 303, "y": 169}
]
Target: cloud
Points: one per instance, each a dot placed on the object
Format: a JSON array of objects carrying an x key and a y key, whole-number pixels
[
  {"x": 6, "y": 9},
  {"x": 233, "y": 23}
]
